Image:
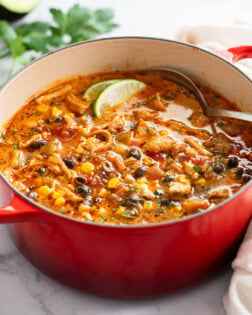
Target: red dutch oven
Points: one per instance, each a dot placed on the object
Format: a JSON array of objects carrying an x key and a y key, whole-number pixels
[{"x": 128, "y": 261}]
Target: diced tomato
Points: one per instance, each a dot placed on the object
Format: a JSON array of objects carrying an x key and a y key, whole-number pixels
[
  {"x": 160, "y": 156},
  {"x": 198, "y": 160}
]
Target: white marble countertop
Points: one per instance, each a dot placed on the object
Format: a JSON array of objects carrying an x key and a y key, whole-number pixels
[{"x": 23, "y": 289}]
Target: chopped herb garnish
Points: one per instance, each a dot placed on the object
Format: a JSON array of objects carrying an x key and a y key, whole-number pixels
[
  {"x": 15, "y": 147},
  {"x": 63, "y": 210},
  {"x": 220, "y": 124},
  {"x": 197, "y": 169}
]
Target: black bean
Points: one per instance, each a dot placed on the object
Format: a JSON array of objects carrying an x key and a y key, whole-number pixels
[
  {"x": 48, "y": 121},
  {"x": 239, "y": 172},
  {"x": 140, "y": 171},
  {"x": 37, "y": 144},
  {"x": 248, "y": 171},
  {"x": 218, "y": 167},
  {"x": 83, "y": 190},
  {"x": 131, "y": 201},
  {"x": 165, "y": 202},
  {"x": 69, "y": 161},
  {"x": 80, "y": 180},
  {"x": 41, "y": 171},
  {"x": 59, "y": 119},
  {"x": 246, "y": 178},
  {"x": 135, "y": 153},
  {"x": 32, "y": 195},
  {"x": 232, "y": 162}
]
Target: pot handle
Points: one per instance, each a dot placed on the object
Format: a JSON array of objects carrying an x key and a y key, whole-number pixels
[
  {"x": 235, "y": 54},
  {"x": 19, "y": 210}
]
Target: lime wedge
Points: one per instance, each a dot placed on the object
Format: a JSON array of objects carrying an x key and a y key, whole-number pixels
[
  {"x": 116, "y": 93},
  {"x": 95, "y": 89}
]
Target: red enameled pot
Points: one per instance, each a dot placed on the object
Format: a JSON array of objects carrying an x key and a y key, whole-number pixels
[{"x": 128, "y": 261}]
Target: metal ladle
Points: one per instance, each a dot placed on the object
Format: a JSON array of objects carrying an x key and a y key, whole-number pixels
[{"x": 184, "y": 80}]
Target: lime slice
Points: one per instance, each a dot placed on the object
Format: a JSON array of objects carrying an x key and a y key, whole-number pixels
[
  {"x": 116, "y": 93},
  {"x": 95, "y": 89}
]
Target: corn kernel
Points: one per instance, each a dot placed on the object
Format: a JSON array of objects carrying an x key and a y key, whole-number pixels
[
  {"x": 163, "y": 133},
  {"x": 147, "y": 161},
  {"x": 44, "y": 191},
  {"x": 120, "y": 149},
  {"x": 72, "y": 115},
  {"x": 201, "y": 181},
  {"x": 42, "y": 108},
  {"x": 55, "y": 111},
  {"x": 120, "y": 210},
  {"x": 113, "y": 183},
  {"x": 148, "y": 205},
  {"x": 141, "y": 180},
  {"x": 102, "y": 192},
  {"x": 87, "y": 167},
  {"x": 56, "y": 195},
  {"x": 60, "y": 201}
]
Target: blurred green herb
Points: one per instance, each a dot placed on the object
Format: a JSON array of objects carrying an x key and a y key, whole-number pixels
[{"x": 37, "y": 38}]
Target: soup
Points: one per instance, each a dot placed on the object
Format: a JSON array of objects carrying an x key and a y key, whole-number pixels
[{"x": 152, "y": 157}]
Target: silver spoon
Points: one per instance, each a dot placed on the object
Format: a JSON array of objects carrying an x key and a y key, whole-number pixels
[{"x": 185, "y": 81}]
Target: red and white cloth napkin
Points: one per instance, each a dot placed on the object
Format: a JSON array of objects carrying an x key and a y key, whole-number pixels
[{"x": 238, "y": 299}]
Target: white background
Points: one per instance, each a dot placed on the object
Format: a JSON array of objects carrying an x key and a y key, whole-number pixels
[{"x": 23, "y": 289}]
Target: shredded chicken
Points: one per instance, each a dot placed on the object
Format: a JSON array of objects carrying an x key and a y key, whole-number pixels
[
  {"x": 68, "y": 193},
  {"x": 103, "y": 145},
  {"x": 69, "y": 121},
  {"x": 116, "y": 160},
  {"x": 189, "y": 170},
  {"x": 144, "y": 129},
  {"x": 176, "y": 189},
  {"x": 154, "y": 172},
  {"x": 145, "y": 114},
  {"x": 219, "y": 194},
  {"x": 158, "y": 103},
  {"x": 56, "y": 159},
  {"x": 17, "y": 158},
  {"x": 76, "y": 105},
  {"x": 25, "y": 144},
  {"x": 48, "y": 97},
  {"x": 197, "y": 146},
  {"x": 116, "y": 124},
  {"x": 192, "y": 205},
  {"x": 131, "y": 163}
]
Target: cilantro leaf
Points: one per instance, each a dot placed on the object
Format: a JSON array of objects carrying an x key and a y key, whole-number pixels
[
  {"x": 14, "y": 42},
  {"x": 39, "y": 37}
]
